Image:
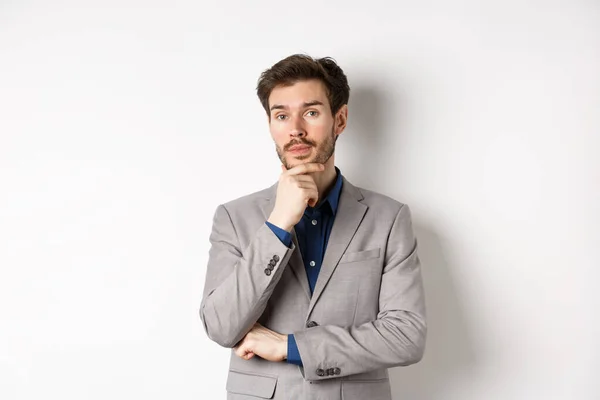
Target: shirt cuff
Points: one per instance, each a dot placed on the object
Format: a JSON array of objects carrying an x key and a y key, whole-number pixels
[
  {"x": 293, "y": 356},
  {"x": 283, "y": 235}
]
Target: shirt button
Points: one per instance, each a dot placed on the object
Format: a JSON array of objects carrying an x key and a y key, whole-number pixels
[
  {"x": 312, "y": 263},
  {"x": 314, "y": 221}
]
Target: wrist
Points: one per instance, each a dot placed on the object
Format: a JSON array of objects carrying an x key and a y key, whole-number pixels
[
  {"x": 284, "y": 347},
  {"x": 279, "y": 223}
]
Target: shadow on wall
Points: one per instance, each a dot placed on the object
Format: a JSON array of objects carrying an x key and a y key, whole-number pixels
[
  {"x": 450, "y": 350},
  {"x": 362, "y": 141}
]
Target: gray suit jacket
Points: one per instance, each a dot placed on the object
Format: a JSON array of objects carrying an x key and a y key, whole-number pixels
[{"x": 367, "y": 312}]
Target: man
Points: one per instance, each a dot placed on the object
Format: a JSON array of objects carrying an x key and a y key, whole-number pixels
[{"x": 314, "y": 283}]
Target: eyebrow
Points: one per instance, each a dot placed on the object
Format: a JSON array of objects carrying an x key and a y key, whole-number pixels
[{"x": 304, "y": 105}]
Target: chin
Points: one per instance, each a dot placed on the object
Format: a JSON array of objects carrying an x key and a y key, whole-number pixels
[
  {"x": 294, "y": 161},
  {"x": 299, "y": 162}
]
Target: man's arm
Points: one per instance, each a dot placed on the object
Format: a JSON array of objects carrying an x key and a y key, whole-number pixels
[
  {"x": 292, "y": 357},
  {"x": 396, "y": 337},
  {"x": 238, "y": 286}
]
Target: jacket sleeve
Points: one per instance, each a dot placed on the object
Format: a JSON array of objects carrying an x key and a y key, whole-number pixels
[
  {"x": 239, "y": 283},
  {"x": 396, "y": 337}
]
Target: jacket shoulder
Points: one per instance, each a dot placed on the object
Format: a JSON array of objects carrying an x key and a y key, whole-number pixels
[
  {"x": 249, "y": 201},
  {"x": 380, "y": 200}
]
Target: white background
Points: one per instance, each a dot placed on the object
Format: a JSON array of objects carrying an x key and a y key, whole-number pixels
[{"x": 123, "y": 124}]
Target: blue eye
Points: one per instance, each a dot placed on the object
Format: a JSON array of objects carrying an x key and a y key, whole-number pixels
[
  {"x": 280, "y": 115},
  {"x": 314, "y": 113}
]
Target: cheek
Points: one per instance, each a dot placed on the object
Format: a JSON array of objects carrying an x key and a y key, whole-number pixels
[
  {"x": 319, "y": 131},
  {"x": 277, "y": 134},
  {"x": 318, "y": 123}
]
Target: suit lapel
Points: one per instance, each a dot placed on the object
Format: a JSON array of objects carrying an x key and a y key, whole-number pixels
[
  {"x": 349, "y": 215},
  {"x": 297, "y": 264}
]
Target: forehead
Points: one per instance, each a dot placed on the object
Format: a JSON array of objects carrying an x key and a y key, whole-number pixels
[{"x": 299, "y": 93}]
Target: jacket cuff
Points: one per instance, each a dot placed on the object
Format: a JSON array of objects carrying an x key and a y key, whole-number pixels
[
  {"x": 316, "y": 364},
  {"x": 283, "y": 235}
]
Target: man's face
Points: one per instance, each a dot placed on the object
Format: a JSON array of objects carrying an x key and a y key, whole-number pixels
[{"x": 301, "y": 123}]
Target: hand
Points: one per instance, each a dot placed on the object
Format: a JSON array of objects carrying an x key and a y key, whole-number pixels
[
  {"x": 264, "y": 343},
  {"x": 295, "y": 191}
]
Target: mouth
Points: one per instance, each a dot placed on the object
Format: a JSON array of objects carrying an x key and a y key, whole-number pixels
[{"x": 298, "y": 150}]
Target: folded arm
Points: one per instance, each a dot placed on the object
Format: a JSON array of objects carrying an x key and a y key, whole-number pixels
[
  {"x": 239, "y": 284},
  {"x": 396, "y": 337}
]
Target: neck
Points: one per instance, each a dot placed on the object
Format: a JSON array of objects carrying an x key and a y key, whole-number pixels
[{"x": 325, "y": 179}]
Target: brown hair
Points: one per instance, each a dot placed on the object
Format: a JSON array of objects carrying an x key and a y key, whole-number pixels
[{"x": 300, "y": 67}]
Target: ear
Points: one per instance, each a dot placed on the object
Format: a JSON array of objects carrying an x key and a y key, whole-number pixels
[{"x": 341, "y": 119}]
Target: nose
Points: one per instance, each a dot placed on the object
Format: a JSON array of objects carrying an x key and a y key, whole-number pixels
[{"x": 297, "y": 127}]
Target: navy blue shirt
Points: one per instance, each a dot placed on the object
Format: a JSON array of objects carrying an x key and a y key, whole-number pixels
[{"x": 313, "y": 232}]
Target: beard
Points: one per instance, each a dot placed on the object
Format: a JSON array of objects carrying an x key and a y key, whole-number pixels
[{"x": 323, "y": 151}]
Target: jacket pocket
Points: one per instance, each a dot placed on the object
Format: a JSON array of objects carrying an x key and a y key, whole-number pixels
[
  {"x": 248, "y": 383},
  {"x": 360, "y": 255}
]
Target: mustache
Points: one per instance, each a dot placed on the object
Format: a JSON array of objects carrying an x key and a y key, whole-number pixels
[{"x": 297, "y": 142}]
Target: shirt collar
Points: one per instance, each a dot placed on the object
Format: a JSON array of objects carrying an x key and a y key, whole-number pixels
[{"x": 333, "y": 197}]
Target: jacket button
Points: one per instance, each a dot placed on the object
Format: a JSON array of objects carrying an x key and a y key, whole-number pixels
[
  {"x": 311, "y": 324},
  {"x": 267, "y": 271},
  {"x": 330, "y": 371},
  {"x": 320, "y": 372},
  {"x": 276, "y": 257},
  {"x": 272, "y": 263},
  {"x": 337, "y": 371}
]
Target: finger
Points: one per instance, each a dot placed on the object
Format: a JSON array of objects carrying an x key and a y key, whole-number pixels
[
  {"x": 283, "y": 168},
  {"x": 239, "y": 352},
  {"x": 307, "y": 185},
  {"x": 249, "y": 355},
  {"x": 306, "y": 168},
  {"x": 312, "y": 198},
  {"x": 303, "y": 178}
]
